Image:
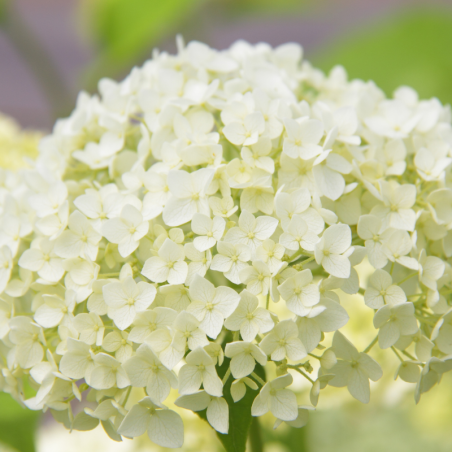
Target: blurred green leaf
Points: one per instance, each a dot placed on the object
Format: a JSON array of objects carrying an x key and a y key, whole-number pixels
[
  {"x": 265, "y": 6},
  {"x": 125, "y": 29},
  {"x": 412, "y": 48},
  {"x": 17, "y": 424}
]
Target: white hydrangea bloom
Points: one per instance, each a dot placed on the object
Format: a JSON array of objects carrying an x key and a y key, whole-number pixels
[{"x": 146, "y": 246}]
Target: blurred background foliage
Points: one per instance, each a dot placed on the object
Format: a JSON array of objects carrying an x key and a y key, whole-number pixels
[{"x": 393, "y": 42}]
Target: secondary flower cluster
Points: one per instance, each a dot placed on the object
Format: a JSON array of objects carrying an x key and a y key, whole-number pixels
[{"x": 208, "y": 210}]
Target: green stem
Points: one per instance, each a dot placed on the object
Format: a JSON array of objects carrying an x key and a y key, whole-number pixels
[
  {"x": 398, "y": 356},
  {"x": 226, "y": 376},
  {"x": 409, "y": 356},
  {"x": 255, "y": 436},
  {"x": 302, "y": 373},
  {"x": 368, "y": 348},
  {"x": 258, "y": 379},
  {"x": 107, "y": 275},
  {"x": 405, "y": 279}
]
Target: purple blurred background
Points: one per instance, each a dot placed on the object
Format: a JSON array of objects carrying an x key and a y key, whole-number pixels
[{"x": 57, "y": 26}]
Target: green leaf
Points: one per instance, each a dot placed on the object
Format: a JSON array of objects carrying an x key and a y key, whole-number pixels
[
  {"x": 125, "y": 29},
  {"x": 239, "y": 413},
  {"x": 17, "y": 424},
  {"x": 411, "y": 48}
]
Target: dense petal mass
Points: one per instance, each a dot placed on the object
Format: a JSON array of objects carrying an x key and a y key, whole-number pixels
[{"x": 207, "y": 226}]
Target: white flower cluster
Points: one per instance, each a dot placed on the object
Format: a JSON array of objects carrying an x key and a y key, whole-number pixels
[{"x": 164, "y": 219}]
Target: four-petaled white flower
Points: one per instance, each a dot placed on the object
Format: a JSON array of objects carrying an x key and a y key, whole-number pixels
[
  {"x": 188, "y": 195},
  {"x": 145, "y": 370},
  {"x": 211, "y": 305},
  {"x": 200, "y": 369},
  {"x": 248, "y": 318},
  {"x": 274, "y": 397},
  {"x": 252, "y": 231},
  {"x": 126, "y": 298},
  {"x": 169, "y": 265},
  {"x": 299, "y": 293},
  {"x": 80, "y": 240},
  {"x": 210, "y": 231},
  {"x": 243, "y": 357},
  {"x": 353, "y": 369},
  {"x": 126, "y": 230},
  {"x": 333, "y": 249},
  {"x": 282, "y": 342},
  {"x": 164, "y": 426},
  {"x": 231, "y": 260}
]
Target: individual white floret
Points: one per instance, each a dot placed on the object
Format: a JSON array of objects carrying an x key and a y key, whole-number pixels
[
  {"x": 78, "y": 361},
  {"x": 257, "y": 278},
  {"x": 217, "y": 409},
  {"x": 53, "y": 225},
  {"x": 393, "y": 119},
  {"x": 257, "y": 156},
  {"x": 325, "y": 317},
  {"x": 126, "y": 230},
  {"x": 396, "y": 246},
  {"x": 199, "y": 261},
  {"x": 248, "y": 318},
  {"x": 298, "y": 203},
  {"x": 303, "y": 137},
  {"x": 297, "y": 235},
  {"x": 328, "y": 171},
  {"x": 394, "y": 321},
  {"x": 108, "y": 373},
  {"x": 126, "y": 298},
  {"x": 431, "y": 162},
  {"x": 28, "y": 339},
  {"x": 211, "y": 305},
  {"x": 56, "y": 311},
  {"x": 393, "y": 156},
  {"x": 117, "y": 342},
  {"x": 283, "y": 342},
  {"x": 80, "y": 277},
  {"x": 381, "y": 291},
  {"x": 373, "y": 234},
  {"x": 238, "y": 388},
  {"x": 431, "y": 268},
  {"x": 169, "y": 265},
  {"x": 299, "y": 293},
  {"x": 48, "y": 202},
  {"x": 150, "y": 320},
  {"x": 90, "y": 327},
  {"x": 244, "y": 356},
  {"x": 333, "y": 249},
  {"x": 42, "y": 259},
  {"x": 353, "y": 369},
  {"x": 200, "y": 369},
  {"x": 210, "y": 231},
  {"x": 271, "y": 253},
  {"x": 223, "y": 207},
  {"x": 188, "y": 195},
  {"x": 80, "y": 240},
  {"x": 245, "y": 132},
  {"x": 12, "y": 230},
  {"x": 252, "y": 231},
  {"x": 395, "y": 210},
  {"x": 422, "y": 345},
  {"x": 145, "y": 370},
  {"x": 231, "y": 260},
  {"x": 274, "y": 397},
  {"x": 163, "y": 426}
]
